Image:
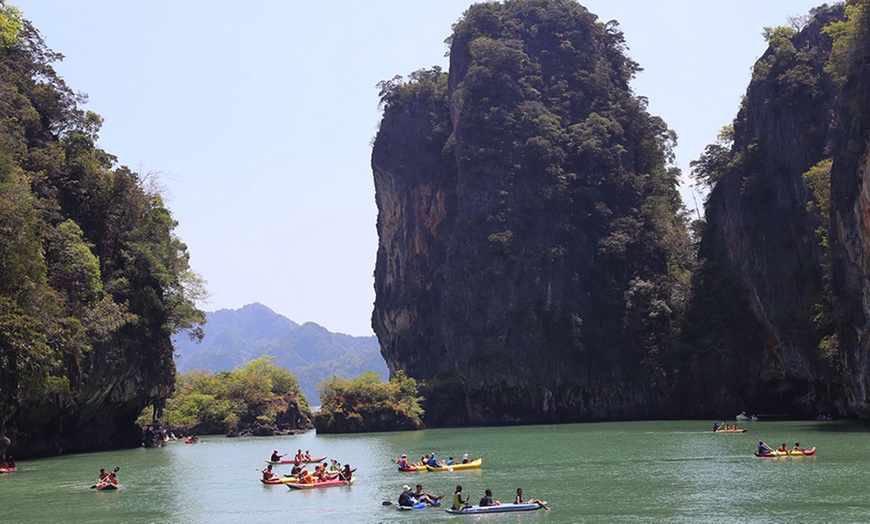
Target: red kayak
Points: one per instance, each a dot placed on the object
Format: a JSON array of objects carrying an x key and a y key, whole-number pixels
[
  {"x": 291, "y": 461},
  {"x": 8, "y": 470},
  {"x": 804, "y": 453}
]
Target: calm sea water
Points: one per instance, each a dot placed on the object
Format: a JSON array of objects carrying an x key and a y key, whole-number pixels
[{"x": 676, "y": 471}]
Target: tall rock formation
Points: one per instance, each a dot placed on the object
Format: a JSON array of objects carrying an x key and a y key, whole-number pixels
[
  {"x": 850, "y": 202},
  {"x": 532, "y": 255},
  {"x": 759, "y": 323}
]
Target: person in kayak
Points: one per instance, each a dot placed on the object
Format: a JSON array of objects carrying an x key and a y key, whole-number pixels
[
  {"x": 307, "y": 455},
  {"x": 299, "y": 457},
  {"x": 465, "y": 459},
  {"x": 305, "y": 477},
  {"x": 103, "y": 475},
  {"x": 407, "y": 499},
  {"x": 783, "y": 448},
  {"x": 797, "y": 447},
  {"x": 267, "y": 473},
  {"x": 519, "y": 500},
  {"x": 428, "y": 498},
  {"x": 275, "y": 456},
  {"x": 763, "y": 448},
  {"x": 403, "y": 462},
  {"x": 487, "y": 499},
  {"x": 346, "y": 473},
  {"x": 112, "y": 479},
  {"x": 433, "y": 462},
  {"x": 458, "y": 501}
]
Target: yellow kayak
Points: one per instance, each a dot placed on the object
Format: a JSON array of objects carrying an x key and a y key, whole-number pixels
[{"x": 474, "y": 464}]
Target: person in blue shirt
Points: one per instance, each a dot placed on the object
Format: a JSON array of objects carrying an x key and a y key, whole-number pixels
[{"x": 433, "y": 461}]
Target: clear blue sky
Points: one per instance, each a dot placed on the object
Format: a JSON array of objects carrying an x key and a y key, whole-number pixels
[{"x": 258, "y": 117}]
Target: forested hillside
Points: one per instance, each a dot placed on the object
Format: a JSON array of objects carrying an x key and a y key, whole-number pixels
[{"x": 93, "y": 281}]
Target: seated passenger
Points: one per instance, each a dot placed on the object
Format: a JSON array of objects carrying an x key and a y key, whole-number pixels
[{"x": 487, "y": 499}]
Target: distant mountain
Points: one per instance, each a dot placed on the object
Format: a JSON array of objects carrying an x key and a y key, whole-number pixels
[{"x": 309, "y": 351}]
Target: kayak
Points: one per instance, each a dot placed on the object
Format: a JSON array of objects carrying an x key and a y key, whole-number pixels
[
  {"x": 804, "y": 453},
  {"x": 280, "y": 480},
  {"x": 740, "y": 430},
  {"x": 8, "y": 470},
  {"x": 325, "y": 484},
  {"x": 468, "y": 465},
  {"x": 494, "y": 509},
  {"x": 419, "y": 505},
  {"x": 106, "y": 486},
  {"x": 413, "y": 467},
  {"x": 291, "y": 461}
]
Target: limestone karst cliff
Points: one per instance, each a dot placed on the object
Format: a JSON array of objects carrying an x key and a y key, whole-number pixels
[
  {"x": 760, "y": 311},
  {"x": 532, "y": 255}
]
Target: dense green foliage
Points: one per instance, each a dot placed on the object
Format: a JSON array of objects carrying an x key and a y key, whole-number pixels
[
  {"x": 93, "y": 281},
  {"x": 368, "y": 404},
  {"x": 255, "y": 393}
]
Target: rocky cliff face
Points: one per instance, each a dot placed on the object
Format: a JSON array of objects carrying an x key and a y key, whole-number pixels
[
  {"x": 530, "y": 249},
  {"x": 753, "y": 326},
  {"x": 850, "y": 224}
]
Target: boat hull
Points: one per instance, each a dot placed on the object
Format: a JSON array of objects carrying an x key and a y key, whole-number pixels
[
  {"x": 804, "y": 453},
  {"x": 474, "y": 464},
  {"x": 327, "y": 484},
  {"x": 291, "y": 461},
  {"x": 501, "y": 508}
]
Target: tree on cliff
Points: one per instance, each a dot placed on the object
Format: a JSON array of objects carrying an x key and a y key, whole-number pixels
[
  {"x": 93, "y": 281},
  {"x": 533, "y": 255}
]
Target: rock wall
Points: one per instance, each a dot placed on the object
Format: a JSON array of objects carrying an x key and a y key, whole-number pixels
[
  {"x": 523, "y": 199},
  {"x": 752, "y": 336}
]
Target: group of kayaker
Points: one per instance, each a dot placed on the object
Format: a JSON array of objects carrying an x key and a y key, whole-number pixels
[
  {"x": 764, "y": 449},
  {"x": 430, "y": 460},
  {"x": 321, "y": 472},
  {"x": 460, "y": 503},
  {"x": 106, "y": 478}
]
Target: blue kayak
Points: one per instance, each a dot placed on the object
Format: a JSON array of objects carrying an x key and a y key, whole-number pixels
[
  {"x": 494, "y": 509},
  {"x": 419, "y": 505}
]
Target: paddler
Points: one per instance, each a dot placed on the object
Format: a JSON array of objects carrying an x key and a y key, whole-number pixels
[
  {"x": 267, "y": 473},
  {"x": 275, "y": 456}
]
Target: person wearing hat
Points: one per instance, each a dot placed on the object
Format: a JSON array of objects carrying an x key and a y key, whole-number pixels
[
  {"x": 403, "y": 462},
  {"x": 406, "y": 499},
  {"x": 433, "y": 462},
  {"x": 465, "y": 459}
]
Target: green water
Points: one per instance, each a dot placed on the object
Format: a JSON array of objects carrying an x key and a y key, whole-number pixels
[{"x": 613, "y": 472}]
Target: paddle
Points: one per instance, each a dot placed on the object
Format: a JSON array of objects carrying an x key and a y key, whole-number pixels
[{"x": 117, "y": 469}]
